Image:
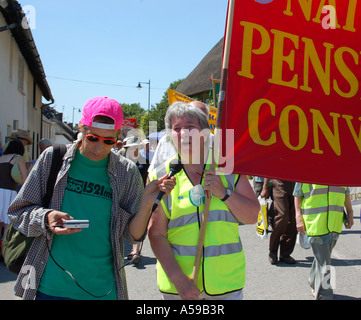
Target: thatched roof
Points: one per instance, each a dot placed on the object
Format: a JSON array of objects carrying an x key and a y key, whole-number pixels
[{"x": 198, "y": 81}]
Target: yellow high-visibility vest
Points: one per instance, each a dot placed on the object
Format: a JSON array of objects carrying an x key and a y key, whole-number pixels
[
  {"x": 322, "y": 208},
  {"x": 223, "y": 263}
]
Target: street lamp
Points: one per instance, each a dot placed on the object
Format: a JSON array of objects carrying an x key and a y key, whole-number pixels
[
  {"x": 140, "y": 87},
  {"x": 73, "y": 114}
]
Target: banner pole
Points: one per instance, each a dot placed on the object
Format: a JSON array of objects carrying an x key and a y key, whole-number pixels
[
  {"x": 226, "y": 51},
  {"x": 227, "y": 48}
]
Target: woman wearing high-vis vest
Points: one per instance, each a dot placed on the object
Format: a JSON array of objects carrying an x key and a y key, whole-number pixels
[
  {"x": 320, "y": 215},
  {"x": 174, "y": 227}
]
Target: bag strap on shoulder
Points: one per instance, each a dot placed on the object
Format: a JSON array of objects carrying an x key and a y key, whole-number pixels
[{"x": 59, "y": 151}]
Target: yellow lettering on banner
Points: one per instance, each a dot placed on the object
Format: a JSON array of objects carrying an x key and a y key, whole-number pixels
[
  {"x": 356, "y": 137},
  {"x": 285, "y": 128},
  {"x": 248, "y": 46},
  {"x": 323, "y": 74},
  {"x": 346, "y": 72},
  {"x": 304, "y": 64},
  {"x": 253, "y": 121},
  {"x": 279, "y": 58},
  {"x": 306, "y": 7},
  {"x": 332, "y": 138},
  {"x": 350, "y": 20},
  {"x": 318, "y": 122},
  {"x": 311, "y": 58}
]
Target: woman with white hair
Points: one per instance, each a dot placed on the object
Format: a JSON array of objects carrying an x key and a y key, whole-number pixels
[{"x": 174, "y": 228}]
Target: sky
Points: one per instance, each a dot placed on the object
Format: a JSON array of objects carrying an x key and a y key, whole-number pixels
[{"x": 95, "y": 48}]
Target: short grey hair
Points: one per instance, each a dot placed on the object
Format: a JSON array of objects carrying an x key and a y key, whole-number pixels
[
  {"x": 44, "y": 143},
  {"x": 181, "y": 109}
]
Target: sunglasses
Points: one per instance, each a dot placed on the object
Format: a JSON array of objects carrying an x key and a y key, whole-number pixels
[{"x": 94, "y": 138}]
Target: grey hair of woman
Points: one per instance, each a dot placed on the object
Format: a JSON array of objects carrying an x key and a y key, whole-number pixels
[{"x": 180, "y": 109}]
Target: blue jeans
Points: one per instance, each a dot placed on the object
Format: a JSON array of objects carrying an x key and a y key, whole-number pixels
[{"x": 43, "y": 296}]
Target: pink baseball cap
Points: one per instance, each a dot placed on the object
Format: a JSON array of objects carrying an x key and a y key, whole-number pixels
[{"x": 100, "y": 106}]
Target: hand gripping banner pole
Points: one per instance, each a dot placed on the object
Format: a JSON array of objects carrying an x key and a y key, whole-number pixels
[{"x": 227, "y": 45}]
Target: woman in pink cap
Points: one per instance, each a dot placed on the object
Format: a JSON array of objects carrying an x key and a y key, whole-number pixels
[{"x": 93, "y": 184}]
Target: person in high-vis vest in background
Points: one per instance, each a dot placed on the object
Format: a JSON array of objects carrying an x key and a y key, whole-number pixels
[
  {"x": 320, "y": 215},
  {"x": 174, "y": 226}
]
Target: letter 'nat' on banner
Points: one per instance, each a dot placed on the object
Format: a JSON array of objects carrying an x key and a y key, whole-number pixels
[{"x": 293, "y": 94}]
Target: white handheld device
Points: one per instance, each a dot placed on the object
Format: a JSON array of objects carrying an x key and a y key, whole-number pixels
[{"x": 76, "y": 224}]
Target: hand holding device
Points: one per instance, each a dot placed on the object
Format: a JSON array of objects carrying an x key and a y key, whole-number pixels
[
  {"x": 59, "y": 223},
  {"x": 76, "y": 224},
  {"x": 174, "y": 167}
]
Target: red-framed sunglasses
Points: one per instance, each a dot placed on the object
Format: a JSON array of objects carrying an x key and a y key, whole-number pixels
[{"x": 95, "y": 138}]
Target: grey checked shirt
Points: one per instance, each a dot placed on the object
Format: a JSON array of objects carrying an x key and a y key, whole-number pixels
[{"x": 29, "y": 216}]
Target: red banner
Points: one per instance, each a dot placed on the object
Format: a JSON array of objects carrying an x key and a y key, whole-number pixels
[
  {"x": 293, "y": 91},
  {"x": 129, "y": 123}
]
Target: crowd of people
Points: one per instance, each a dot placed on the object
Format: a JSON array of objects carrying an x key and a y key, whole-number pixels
[
  {"x": 15, "y": 165},
  {"x": 114, "y": 184}
]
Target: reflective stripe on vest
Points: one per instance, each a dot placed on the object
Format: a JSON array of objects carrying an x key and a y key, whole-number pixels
[
  {"x": 323, "y": 190},
  {"x": 322, "y": 209},
  {"x": 223, "y": 261},
  {"x": 219, "y": 215},
  {"x": 210, "y": 251}
]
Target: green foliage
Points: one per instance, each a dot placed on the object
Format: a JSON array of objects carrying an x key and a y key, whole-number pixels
[{"x": 133, "y": 111}]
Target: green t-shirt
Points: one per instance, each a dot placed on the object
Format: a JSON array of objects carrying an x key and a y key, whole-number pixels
[{"x": 87, "y": 255}]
